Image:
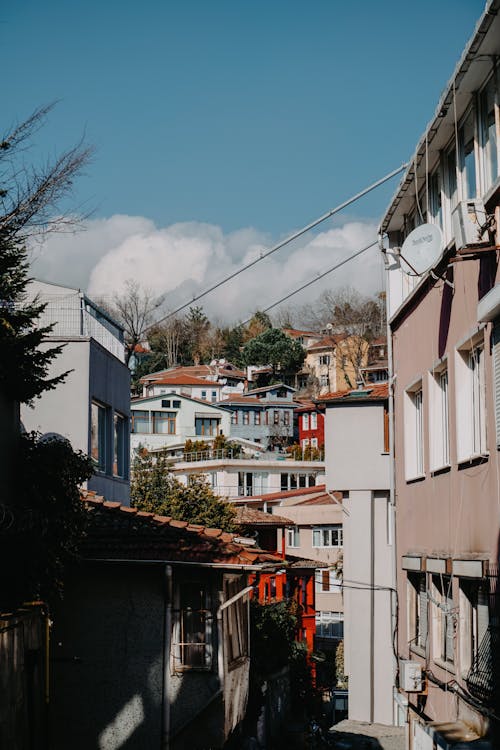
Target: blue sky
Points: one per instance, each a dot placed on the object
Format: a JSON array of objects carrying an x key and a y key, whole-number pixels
[{"x": 255, "y": 116}]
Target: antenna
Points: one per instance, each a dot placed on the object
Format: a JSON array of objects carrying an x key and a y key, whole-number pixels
[{"x": 421, "y": 249}]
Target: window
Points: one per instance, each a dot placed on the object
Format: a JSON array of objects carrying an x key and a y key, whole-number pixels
[
  {"x": 206, "y": 426},
  {"x": 324, "y": 359},
  {"x": 176, "y": 404},
  {"x": 470, "y": 402},
  {"x": 314, "y": 442},
  {"x": 286, "y": 418},
  {"x": 417, "y": 610},
  {"x": 305, "y": 421},
  {"x": 214, "y": 396},
  {"x": 98, "y": 441},
  {"x": 165, "y": 403},
  {"x": 246, "y": 417},
  {"x": 293, "y": 481},
  {"x": 435, "y": 206},
  {"x": 439, "y": 439},
  {"x": 328, "y": 581},
  {"x": 443, "y": 619},
  {"x": 234, "y": 417},
  {"x": 414, "y": 432},
  {"x": 305, "y": 442},
  {"x": 323, "y": 380},
  {"x": 192, "y": 647},
  {"x": 163, "y": 422},
  {"x": 256, "y": 417},
  {"x": 468, "y": 157},
  {"x": 140, "y": 422},
  {"x": 451, "y": 178},
  {"x": 488, "y": 134},
  {"x": 236, "y": 620},
  {"x": 293, "y": 537},
  {"x": 119, "y": 446},
  {"x": 204, "y": 395},
  {"x": 314, "y": 421},
  {"x": 474, "y": 619},
  {"x": 276, "y": 417},
  {"x": 328, "y": 536},
  {"x": 330, "y": 624}
]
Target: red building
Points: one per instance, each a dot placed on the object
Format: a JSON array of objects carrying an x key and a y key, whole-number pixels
[{"x": 311, "y": 425}]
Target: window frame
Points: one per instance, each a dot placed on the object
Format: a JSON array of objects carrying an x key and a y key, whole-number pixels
[
  {"x": 293, "y": 536},
  {"x": 439, "y": 417},
  {"x": 180, "y": 656},
  {"x": 120, "y": 446},
  {"x": 331, "y": 536},
  {"x": 99, "y": 436},
  {"x": 414, "y": 430},
  {"x": 470, "y": 400}
]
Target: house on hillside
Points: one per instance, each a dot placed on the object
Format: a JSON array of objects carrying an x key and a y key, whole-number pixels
[
  {"x": 152, "y": 636},
  {"x": 169, "y": 419},
  {"x": 91, "y": 407},
  {"x": 219, "y": 376},
  {"x": 334, "y": 361},
  {"x": 188, "y": 385},
  {"x": 358, "y": 465},
  {"x": 310, "y": 420},
  {"x": 377, "y": 368},
  {"x": 445, "y": 329},
  {"x": 263, "y": 415}
]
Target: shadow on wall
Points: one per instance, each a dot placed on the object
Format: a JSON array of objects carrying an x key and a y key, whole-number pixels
[{"x": 445, "y": 313}]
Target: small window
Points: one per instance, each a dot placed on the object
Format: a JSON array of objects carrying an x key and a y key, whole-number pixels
[
  {"x": 330, "y": 624},
  {"x": 443, "y": 619},
  {"x": 328, "y": 536},
  {"x": 204, "y": 395},
  {"x": 417, "y": 610},
  {"x": 439, "y": 439},
  {"x": 119, "y": 446},
  {"x": 314, "y": 421},
  {"x": 246, "y": 417},
  {"x": 293, "y": 537},
  {"x": 414, "y": 432},
  {"x": 328, "y": 582},
  {"x": 236, "y": 619},
  {"x": 98, "y": 442},
  {"x": 314, "y": 442},
  {"x": 474, "y": 619},
  {"x": 305, "y": 421},
  {"x": 140, "y": 422},
  {"x": 234, "y": 417},
  {"x": 256, "y": 417},
  {"x": 192, "y": 635},
  {"x": 176, "y": 404},
  {"x": 488, "y": 134},
  {"x": 286, "y": 418},
  {"x": 276, "y": 417},
  {"x": 324, "y": 359},
  {"x": 467, "y": 157},
  {"x": 470, "y": 402},
  {"x": 165, "y": 402}
]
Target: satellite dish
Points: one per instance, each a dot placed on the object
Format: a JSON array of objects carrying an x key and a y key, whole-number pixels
[{"x": 421, "y": 249}]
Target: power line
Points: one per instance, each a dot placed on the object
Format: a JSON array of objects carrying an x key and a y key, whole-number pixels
[
  {"x": 284, "y": 242},
  {"x": 317, "y": 278}
]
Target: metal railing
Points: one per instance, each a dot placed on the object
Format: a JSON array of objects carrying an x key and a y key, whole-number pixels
[{"x": 74, "y": 321}]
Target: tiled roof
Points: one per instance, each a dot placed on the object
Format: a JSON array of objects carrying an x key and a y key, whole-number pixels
[
  {"x": 246, "y": 516},
  {"x": 319, "y": 489},
  {"x": 116, "y": 530},
  {"x": 295, "y": 332},
  {"x": 275, "y": 386},
  {"x": 322, "y": 499},
  {"x": 180, "y": 380},
  {"x": 309, "y": 406},
  {"x": 328, "y": 342},
  {"x": 300, "y": 562},
  {"x": 164, "y": 396},
  {"x": 239, "y": 399},
  {"x": 375, "y": 392}
]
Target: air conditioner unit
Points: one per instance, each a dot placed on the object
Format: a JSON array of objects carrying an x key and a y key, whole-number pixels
[
  {"x": 411, "y": 676},
  {"x": 468, "y": 220}
]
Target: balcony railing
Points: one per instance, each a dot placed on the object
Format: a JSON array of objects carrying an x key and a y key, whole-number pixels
[{"x": 73, "y": 321}]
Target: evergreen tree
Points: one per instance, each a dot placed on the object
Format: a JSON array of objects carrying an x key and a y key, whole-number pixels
[
  {"x": 155, "y": 489},
  {"x": 276, "y": 349}
]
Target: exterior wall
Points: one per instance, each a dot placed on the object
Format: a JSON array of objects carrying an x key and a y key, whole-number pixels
[
  {"x": 369, "y": 659},
  {"x": 188, "y": 390},
  {"x": 326, "y": 374},
  {"x": 267, "y": 429},
  {"x": 107, "y": 655},
  {"x": 65, "y": 409},
  {"x": 452, "y": 514},
  {"x": 357, "y": 460},
  {"x": 318, "y": 432}
]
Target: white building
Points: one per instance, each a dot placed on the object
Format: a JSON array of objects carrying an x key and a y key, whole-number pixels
[
  {"x": 169, "y": 419},
  {"x": 358, "y": 465},
  {"x": 91, "y": 407}
]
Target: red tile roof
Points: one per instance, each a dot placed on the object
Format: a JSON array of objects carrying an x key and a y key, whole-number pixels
[
  {"x": 117, "y": 530},
  {"x": 179, "y": 380},
  {"x": 246, "y": 516},
  {"x": 319, "y": 489},
  {"x": 328, "y": 342},
  {"x": 371, "y": 392},
  {"x": 296, "y": 332}
]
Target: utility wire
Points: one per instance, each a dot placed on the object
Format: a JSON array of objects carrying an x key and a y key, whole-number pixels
[
  {"x": 316, "y": 278},
  {"x": 282, "y": 243}
]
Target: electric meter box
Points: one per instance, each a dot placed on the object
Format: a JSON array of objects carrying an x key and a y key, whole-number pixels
[
  {"x": 467, "y": 219},
  {"x": 410, "y": 675}
]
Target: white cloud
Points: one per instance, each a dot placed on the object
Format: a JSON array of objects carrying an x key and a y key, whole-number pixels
[{"x": 182, "y": 260}]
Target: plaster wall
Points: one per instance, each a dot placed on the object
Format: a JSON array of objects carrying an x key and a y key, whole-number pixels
[{"x": 354, "y": 447}]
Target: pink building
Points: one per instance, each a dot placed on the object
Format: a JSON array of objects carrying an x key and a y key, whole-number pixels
[{"x": 445, "y": 326}]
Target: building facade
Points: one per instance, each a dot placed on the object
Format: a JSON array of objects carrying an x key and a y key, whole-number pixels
[
  {"x": 444, "y": 325},
  {"x": 91, "y": 407}
]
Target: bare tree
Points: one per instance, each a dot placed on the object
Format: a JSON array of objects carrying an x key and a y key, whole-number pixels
[
  {"x": 166, "y": 339},
  {"x": 30, "y": 196},
  {"x": 134, "y": 309}
]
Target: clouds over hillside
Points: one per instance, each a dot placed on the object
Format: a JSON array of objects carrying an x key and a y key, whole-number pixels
[{"x": 181, "y": 260}]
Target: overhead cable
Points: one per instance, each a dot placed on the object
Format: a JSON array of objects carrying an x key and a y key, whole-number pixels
[
  {"x": 282, "y": 243},
  {"x": 317, "y": 278}
]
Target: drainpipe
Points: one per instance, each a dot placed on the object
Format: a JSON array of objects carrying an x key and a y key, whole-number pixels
[
  {"x": 167, "y": 636},
  {"x": 392, "y": 471},
  {"x": 372, "y": 606}
]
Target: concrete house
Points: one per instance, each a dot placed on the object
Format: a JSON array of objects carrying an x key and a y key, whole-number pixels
[
  {"x": 169, "y": 419},
  {"x": 263, "y": 415},
  {"x": 91, "y": 408},
  {"x": 152, "y": 635},
  {"x": 445, "y": 324},
  {"x": 358, "y": 465},
  {"x": 172, "y": 382}
]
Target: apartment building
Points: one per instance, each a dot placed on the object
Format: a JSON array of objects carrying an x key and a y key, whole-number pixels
[
  {"x": 91, "y": 407},
  {"x": 445, "y": 338}
]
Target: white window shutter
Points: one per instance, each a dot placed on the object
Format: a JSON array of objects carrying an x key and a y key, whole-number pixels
[{"x": 496, "y": 377}]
